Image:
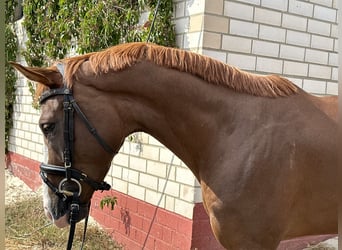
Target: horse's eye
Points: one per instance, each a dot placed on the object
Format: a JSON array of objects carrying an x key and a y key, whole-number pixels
[{"x": 47, "y": 128}]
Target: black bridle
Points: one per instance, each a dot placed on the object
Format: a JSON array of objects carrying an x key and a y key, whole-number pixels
[{"x": 71, "y": 175}]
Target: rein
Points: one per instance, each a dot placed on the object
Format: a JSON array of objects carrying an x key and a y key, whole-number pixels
[{"x": 71, "y": 175}]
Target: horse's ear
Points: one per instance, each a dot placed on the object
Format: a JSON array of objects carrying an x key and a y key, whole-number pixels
[{"x": 47, "y": 76}]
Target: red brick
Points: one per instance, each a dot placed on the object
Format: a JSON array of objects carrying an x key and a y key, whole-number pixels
[
  {"x": 123, "y": 229},
  {"x": 137, "y": 221},
  {"x": 147, "y": 224},
  {"x": 106, "y": 209},
  {"x": 199, "y": 212},
  {"x": 116, "y": 213},
  {"x": 161, "y": 245},
  {"x": 146, "y": 210},
  {"x": 156, "y": 231},
  {"x": 131, "y": 204},
  {"x": 150, "y": 243},
  {"x": 96, "y": 213},
  {"x": 167, "y": 234},
  {"x": 204, "y": 242},
  {"x": 138, "y": 236},
  {"x": 167, "y": 219},
  {"x": 110, "y": 223},
  {"x": 132, "y": 245},
  {"x": 201, "y": 228},
  {"x": 202, "y": 235},
  {"x": 95, "y": 202},
  {"x": 24, "y": 168},
  {"x": 180, "y": 241},
  {"x": 184, "y": 226},
  {"x": 121, "y": 198}
]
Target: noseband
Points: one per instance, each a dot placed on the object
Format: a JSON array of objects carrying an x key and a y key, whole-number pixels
[{"x": 71, "y": 175}]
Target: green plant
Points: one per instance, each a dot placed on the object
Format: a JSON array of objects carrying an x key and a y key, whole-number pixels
[
  {"x": 9, "y": 10},
  {"x": 11, "y": 45},
  {"x": 108, "y": 201},
  {"x": 163, "y": 31},
  {"x": 55, "y": 27}
]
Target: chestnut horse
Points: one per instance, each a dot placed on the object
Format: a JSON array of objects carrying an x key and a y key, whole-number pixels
[{"x": 263, "y": 150}]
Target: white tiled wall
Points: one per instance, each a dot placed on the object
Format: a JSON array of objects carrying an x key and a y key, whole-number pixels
[
  {"x": 146, "y": 170},
  {"x": 25, "y": 136},
  {"x": 293, "y": 38}
]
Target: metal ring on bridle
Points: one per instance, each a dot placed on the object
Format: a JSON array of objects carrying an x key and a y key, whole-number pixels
[{"x": 69, "y": 193}]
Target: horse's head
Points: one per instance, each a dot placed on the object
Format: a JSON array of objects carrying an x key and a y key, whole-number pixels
[{"x": 78, "y": 160}]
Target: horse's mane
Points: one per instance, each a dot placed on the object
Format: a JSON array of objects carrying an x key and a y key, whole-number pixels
[{"x": 125, "y": 55}]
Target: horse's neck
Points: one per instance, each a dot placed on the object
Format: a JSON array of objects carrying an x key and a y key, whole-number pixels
[
  {"x": 192, "y": 118},
  {"x": 174, "y": 107}
]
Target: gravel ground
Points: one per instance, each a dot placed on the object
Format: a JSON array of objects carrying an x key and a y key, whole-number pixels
[{"x": 16, "y": 190}]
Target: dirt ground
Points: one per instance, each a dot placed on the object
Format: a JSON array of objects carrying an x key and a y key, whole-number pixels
[{"x": 16, "y": 189}]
